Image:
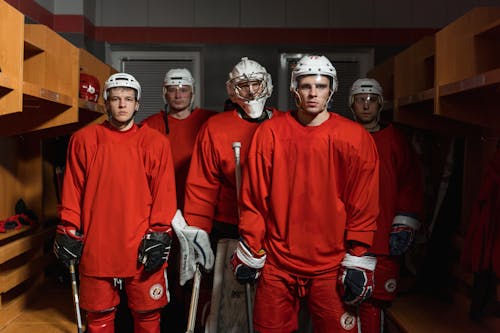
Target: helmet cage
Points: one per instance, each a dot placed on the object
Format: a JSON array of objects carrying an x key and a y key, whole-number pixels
[{"x": 236, "y": 91}]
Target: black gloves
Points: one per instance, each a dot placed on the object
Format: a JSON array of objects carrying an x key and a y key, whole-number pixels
[
  {"x": 68, "y": 245},
  {"x": 154, "y": 250}
]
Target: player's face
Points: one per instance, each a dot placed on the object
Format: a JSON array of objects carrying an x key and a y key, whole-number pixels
[
  {"x": 250, "y": 90},
  {"x": 121, "y": 105},
  {"x": 313, "y": 92},
  {"x": 366, "y": 108},
  {"x": 178, "y": 97}
]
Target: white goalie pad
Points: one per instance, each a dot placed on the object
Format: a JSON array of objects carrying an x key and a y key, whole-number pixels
[
  {"x": 228, "y": 303},
  {"x": 195, "y": 248}
]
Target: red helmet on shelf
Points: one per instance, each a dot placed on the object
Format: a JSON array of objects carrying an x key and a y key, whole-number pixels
[{"x": 89, "y": 87}]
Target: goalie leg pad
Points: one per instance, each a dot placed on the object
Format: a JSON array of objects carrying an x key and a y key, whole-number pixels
[{"x": 228, "y": 305}]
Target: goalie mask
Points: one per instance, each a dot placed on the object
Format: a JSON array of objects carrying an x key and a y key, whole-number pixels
[
  {"x": 179, "y": 78},
  {"x": 249, "y": 86}
]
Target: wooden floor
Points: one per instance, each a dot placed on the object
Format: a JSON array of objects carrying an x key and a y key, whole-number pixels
[{"x": 51, "y": 311}]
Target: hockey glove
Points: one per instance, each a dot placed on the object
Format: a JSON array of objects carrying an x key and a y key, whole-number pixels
[
  {"x": 195, "y": 248},
  {"x": 154, "y": 250},
  {"x": 68, "y": 245},
  {"x": 246, "y": 267},
  {"x": 356, "y": 281},
  {"x": 402, "y": 234}
]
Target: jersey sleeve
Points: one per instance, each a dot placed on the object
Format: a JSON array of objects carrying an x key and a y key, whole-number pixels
[
  {"x": 202, "y": 183},
  {"x": 410, "y": 180},
  {"x": 255, "y": 189},
  {"x": 361, "y": 192},
  {"x": 74, "y": 183},
  {"x": 162, "y": 185}
]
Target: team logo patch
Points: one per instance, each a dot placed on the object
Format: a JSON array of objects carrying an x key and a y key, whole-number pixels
[
  {"x": 347, "y": 321},
  {"x": 156, "y": 291},
  {"x": 390, "y": 285}
]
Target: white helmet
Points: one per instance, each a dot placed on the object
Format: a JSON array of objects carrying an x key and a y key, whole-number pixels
[
  {"x": 121, "y": 80},
  {"x": 246, "y": 71},
  {"x": 314, "y": 65},
  {"x": 366, "y": 86},
  {"x": 178, "y": 77}
]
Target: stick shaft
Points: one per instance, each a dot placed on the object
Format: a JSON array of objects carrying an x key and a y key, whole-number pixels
[
  {"x": 248, "y": 290},
  {"x": 76, "y": 300},
  {"x": 193, "y": 307}
]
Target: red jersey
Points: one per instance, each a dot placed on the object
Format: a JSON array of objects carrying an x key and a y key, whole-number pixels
[
  {"x": 211, "y": 182},
  {"x": 182, "y": 135},
  {"x": 401, "y": 184},
  {"x": 117, "y": 185},
  {"x": 481, "y": 244},
  {"x": 306, "y": 190}
]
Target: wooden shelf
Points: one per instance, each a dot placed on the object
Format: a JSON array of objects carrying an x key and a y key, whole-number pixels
[
  {"x": 91, "y": 106},
  {"x": 489, "y": 80},
  {"x": 23, "y": 244},
  {"x": 462, "y": 49},
  {"x": 12, "y": 277},
  {"x": 491, "y": 30},
  {"x": 419, "y": 97}
]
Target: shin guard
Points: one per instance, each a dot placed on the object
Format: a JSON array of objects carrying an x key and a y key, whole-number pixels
[
  {"x": 147, "y": 322},
  {"x": 101, "y": 322}
]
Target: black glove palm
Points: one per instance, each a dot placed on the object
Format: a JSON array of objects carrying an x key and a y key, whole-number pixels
[{"x": 154, "y": 250}]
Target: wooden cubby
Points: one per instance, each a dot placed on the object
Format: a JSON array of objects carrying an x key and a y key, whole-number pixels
[
  {"x": 11, "y": 69},
  {"x": 448, "y": 84},
  {"x": 468, "y": 68},
  {"x": 39, "y": 109},
  {"x": 89, "y": 64},
  {"x": 49, "y": 80}
]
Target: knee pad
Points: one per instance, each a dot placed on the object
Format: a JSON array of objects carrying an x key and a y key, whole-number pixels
[
  {"x": 101, "y": 321},
  {"x": 147, "y": 322}
]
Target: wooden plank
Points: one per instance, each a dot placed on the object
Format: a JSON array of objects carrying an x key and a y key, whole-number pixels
[
  {"x": 24, "y": 244},
  {"x": 10, "y": 310},
  {"x": 11, "y": 62},
  {"x": 13, "y": 277}
]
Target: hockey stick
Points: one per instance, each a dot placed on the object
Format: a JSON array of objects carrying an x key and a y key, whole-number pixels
[
  {"x": 237, "y": 172},
  {"x": 193, "y": 307},
  {"x": 75, "y": 296}
]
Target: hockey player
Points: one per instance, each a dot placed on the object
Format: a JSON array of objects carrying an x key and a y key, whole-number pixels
[
  {"x": 211, "y": 195},
  {"x": 180, "y": 122},
  {"x": 309, "y": 201},
  {"x": 211, "y": 201},
  {"x": 401, "y": 199},
  {"x": 117, "y": 206}
]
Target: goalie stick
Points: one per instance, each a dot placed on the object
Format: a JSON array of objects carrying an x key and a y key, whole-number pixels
[
  {"x": 193, "y": 307},
  {"x": 248, "y": 291}
]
